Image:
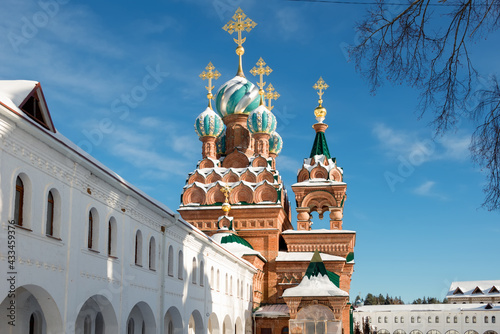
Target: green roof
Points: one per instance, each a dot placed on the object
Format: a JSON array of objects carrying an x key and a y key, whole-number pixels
[
  {"x": 316, "y": 267},
  {"x": 349, "y": 257},
  {"x": 320, "y": 147},
  {"x": 235, "y": 238}
]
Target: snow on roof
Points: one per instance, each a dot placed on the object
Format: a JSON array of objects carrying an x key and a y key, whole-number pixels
[
  {"x": 318, "y": 231},
  {"x": 425, "y": 307},
  {"x": 236, "y": 248},
  {"x": 305, "y": 256},
  {"x": 316, "y": 286},
  {"x": 468, "y": 287},
  {"x": 14, "y": 92},
  {"x": 317, "y": 183},
  {"x": 273, "y": 311}
]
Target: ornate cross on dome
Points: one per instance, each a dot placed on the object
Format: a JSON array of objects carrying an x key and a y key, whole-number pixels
[
  {"x": 239, "y": 24},
  {"x": 320, "y": 111},
  {"x": 270, "y": 95},
  {"x": 260, "y": 71},
  {"x": 320, "y": 85},
  {"x": 210, "y": 75}
]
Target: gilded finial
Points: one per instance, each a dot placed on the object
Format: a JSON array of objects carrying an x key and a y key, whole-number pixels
[
  {"x": 210, "y": 75},
  {"x": 320, "y": 111},
  {"x": 241, "y": 22},
  {"x": 260, "y": 71},
  {"x": 226, "y": 190},
  {"x": 271, "y": 94}
]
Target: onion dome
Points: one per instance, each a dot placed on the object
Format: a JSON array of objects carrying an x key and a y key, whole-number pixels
[
  {"x": 208, "y": 123},
  {"x": 220, "y": 143},
  {"x": 237, "y": 96},
  {"x": 275, "y": 143},
  {"x": 261, "y": 120}
]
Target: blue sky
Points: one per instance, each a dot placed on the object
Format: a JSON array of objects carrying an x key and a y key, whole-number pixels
[{"x": 413, "y": 199}]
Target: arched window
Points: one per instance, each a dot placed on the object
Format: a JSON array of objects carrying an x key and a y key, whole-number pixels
[
  {"x": 241, "y": 290},
  {"x": 130, "y": 326},
  {"x": 412, "y": 320},
  {"x": 99, "y": 324},
  {"x": 87, "y": 323},
  {"x": 437, "y": 319},
  {"x": 467, "y": 319},
  {"x": 285, "y": 330},
  {"x": 429, "y": 319},
  {"x": 238, "y": 288},
  {"x": 170, "y": 261},
  {"x": 112, "y": 237},
  {"x": 419, "y": 320},
  {"x": 218, "y": 280},
  {"x": 485, "y": 319},
  {"x": 93, "y": 230},
  {"x": 493, "y": 319},
  {"x": 180, "y": 268},
  {"x": 152, "y": 253},
  {"x": 455, "y": 319},
  {"x": 448, "y": 319},
  {"x": 402, "y": 319},
  {"x": 193, "y": 274},
  {"x": 396, "y": 320},
  {"x": 19, "y": 202},
  {"x": 49, "y": 224},
  {"x": 379, "y": 320},
  {"x": 385, "y": 319},
  {"x": 231, "y": 285},
  {"x": 212, "y": 277},
  {"x": 138, "y": 248},
  {"x": 227, "y": 285},
  {"x": 474, "y": 319},
  {"x": 202, "y": 273}
]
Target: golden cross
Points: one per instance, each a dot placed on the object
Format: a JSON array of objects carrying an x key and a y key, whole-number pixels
[
  {"x": 271, "y": 95},
  {"x": 320, "y": 86},
  {"x": 239, "y": 24},
  {"x": 210, "y": 75},
  {"x": 260, "y": 71},
  {"x": 226, "y": 190}
]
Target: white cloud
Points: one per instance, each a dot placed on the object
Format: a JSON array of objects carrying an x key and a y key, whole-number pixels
[
  {"x": 416, "y": 147},
  {"x": 427, "y": 189}
]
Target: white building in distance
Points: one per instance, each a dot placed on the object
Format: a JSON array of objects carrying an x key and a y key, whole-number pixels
[
  {"x": 474, "y": 292},
  {"x": 431, "y": 318},
  {"x": 83, "y": 251}
]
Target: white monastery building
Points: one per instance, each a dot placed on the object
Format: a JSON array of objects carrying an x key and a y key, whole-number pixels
[
  {"x": 468, "y": 312},
  {"x": 92, "y": 254}
]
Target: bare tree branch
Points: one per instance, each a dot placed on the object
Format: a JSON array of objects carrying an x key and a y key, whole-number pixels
[{"x": 429, "y": 50}]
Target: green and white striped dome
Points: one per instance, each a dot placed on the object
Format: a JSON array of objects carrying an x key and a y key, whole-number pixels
[
  {"x": 275, "y": 143},
  {"x": 261, "y": 120},
  {"x": 208, "y": 123},
  {"x": 237, "y": 96}
]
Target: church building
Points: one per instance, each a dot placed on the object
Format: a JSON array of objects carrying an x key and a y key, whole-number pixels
[{"x": 86, "y": 252}]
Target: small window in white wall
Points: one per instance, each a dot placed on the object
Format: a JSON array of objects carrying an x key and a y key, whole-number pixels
[
  {"x": 180, "y": 268},
  {"x": 193, "y": 274},
  {"x": 170, "y": 264},
  {"x": 93, "y": 230},
  {"x": 49, "y": 222},
  {"x": 202, "y": 273},
  {"x": 138, "y": 248},
  {"x": 19, "y": 202},
  {"x": 231, "y": 286},
  {"x": 212, "y": 277},
  {"x": 227, "y": 285},
  {"x": 218, "y": 280},
  {"x": 112, "y": 237},
  {"x": 152, "y": 253}
]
